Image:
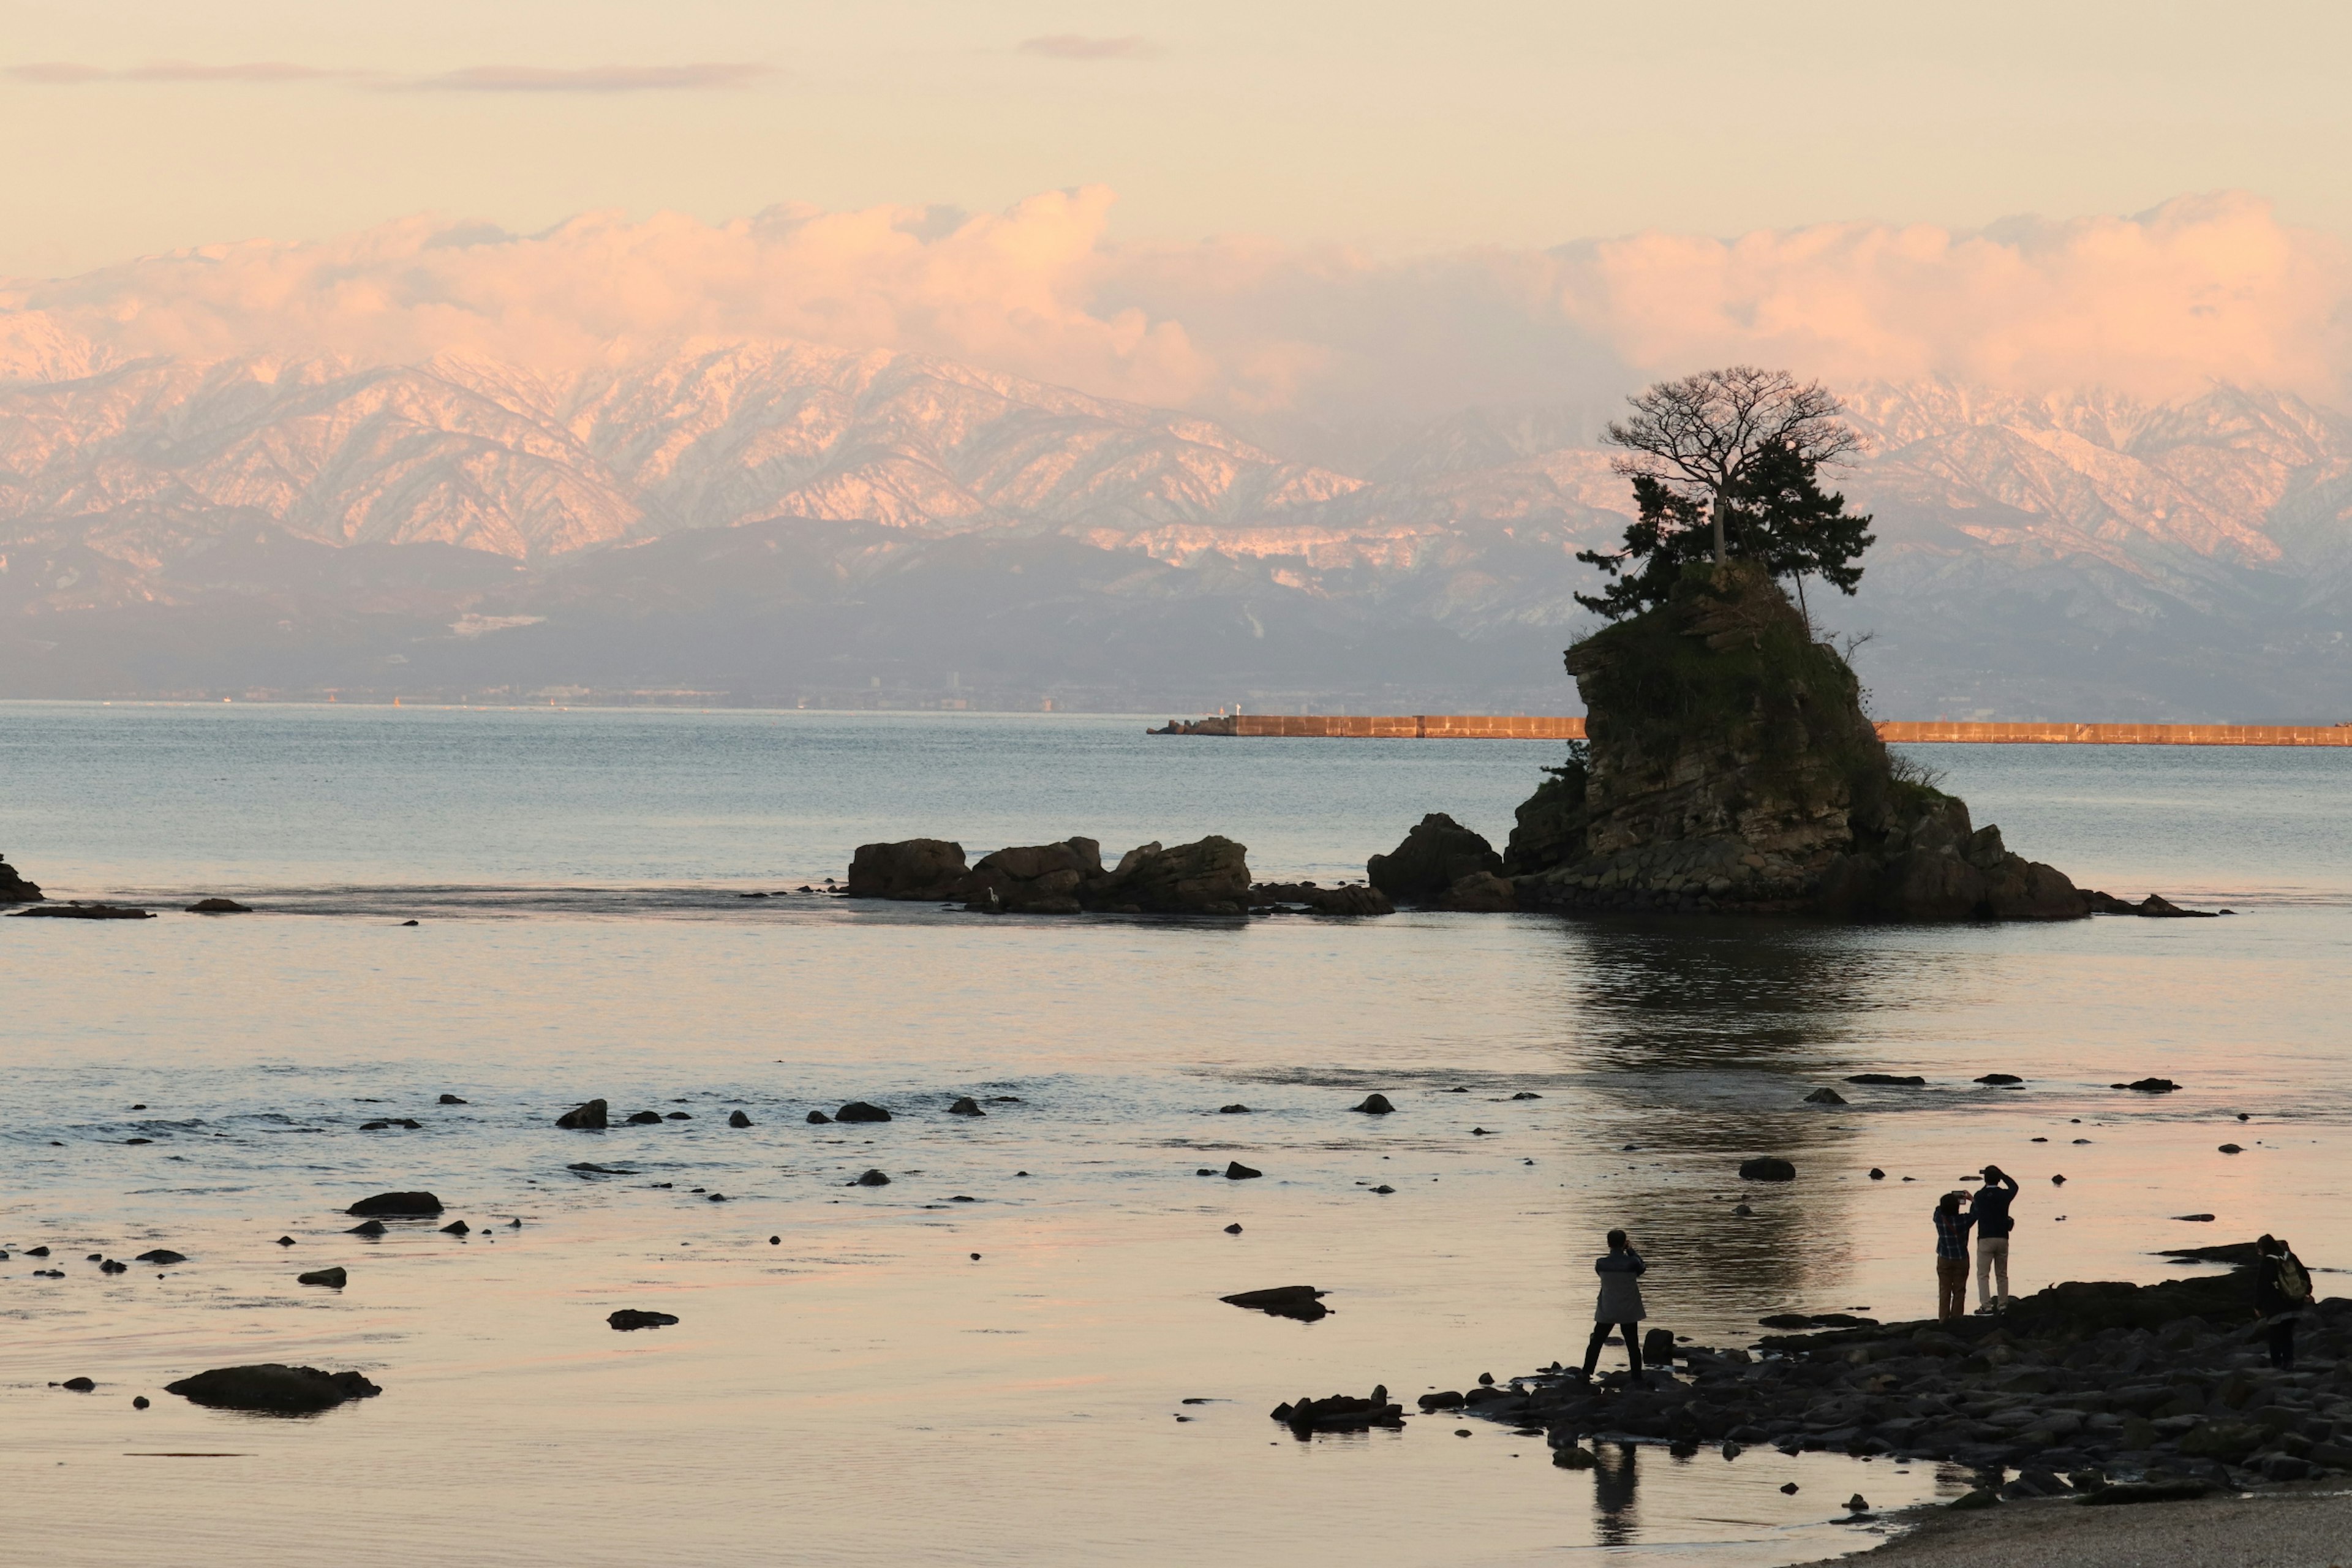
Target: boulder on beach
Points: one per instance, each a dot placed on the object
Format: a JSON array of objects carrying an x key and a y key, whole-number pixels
[
  {"x": 589, "y": 1117},
  {"x": 1303, "y": 1302},
  {"x": 14, "y": 888},
  {"x": 219, "y": 907},
  {"x": 332, "y": 1278},
  {"x": 921, "y": 869},
  {"x": 273, "y": 1388},
  {"x": 397, "y": 1205},
  {"x": 859, "y": 1110},
  {"x": 1436, "y": 854},
  {"x": 629, "y": 1317},
  {"x": 1767, "y": 1168}
]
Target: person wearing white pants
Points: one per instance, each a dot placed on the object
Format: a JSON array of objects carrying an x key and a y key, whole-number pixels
[{"x": 1993, "y": 1225}]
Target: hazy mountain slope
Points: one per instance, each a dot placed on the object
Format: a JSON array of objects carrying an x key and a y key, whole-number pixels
[{"x": 176, "y": 525}]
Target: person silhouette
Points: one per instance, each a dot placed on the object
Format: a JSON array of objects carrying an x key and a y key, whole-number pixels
[{"x": 1619, "y": 1304}]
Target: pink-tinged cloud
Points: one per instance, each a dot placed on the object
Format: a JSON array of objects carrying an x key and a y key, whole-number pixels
[
  {"x": 1080, "y": 47},
  {"x": 67, "y": 73},
  {"x": 702, "y": 77},
  {"x": 2200, "y": 289}
]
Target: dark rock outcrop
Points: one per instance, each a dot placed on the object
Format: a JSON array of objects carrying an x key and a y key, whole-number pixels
[
  {"x": 1041, "y": 878},
  {"x": 1208, "y": 877},
  {"x": 859, "y": 1110},
  {"x": 1767, "y": 1168},
  {"x": 1374, "y": 1105},
  {"x": 273, "y": 1388},
  {"x": 162, "y": 1257},
  {"x": 219, "y": 907},
  {"x": 930, "y": 870},
  {"x": 332, "y": 1278},
  {"x": 737, "y": 1118},
  {"x": 1436, "y": 854},
  {"x": 397, "y": 1205},
  {"x": 1728, "y": 765},
  {"x": 589, "y": 1117},
  {"x": 14, "y": 888},
  {"x": 966, "y": 1106}
]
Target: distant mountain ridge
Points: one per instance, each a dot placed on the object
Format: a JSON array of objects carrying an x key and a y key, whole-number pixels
[{"x": 2076, "y": 555}]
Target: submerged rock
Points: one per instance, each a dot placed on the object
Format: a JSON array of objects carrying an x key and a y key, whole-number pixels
[
  {"x": 967, "y": 1106},
  {"x": 859, "y": 1110},
  {"x": 629, "y": 1317},
  {"x": 1237, "y": 1172},
  {"x": 872, "y": 1179},
  {"x": 1480, "y": 893},
  {"x": 1767, "y": 1168},
  {"x": 2149, "y": 1086},
  {"x": 162, "y": 1255},
  {"x": 737, "y": 1118},
  {"x": 84, "y": 912},
  {"x": 1303, "y": 1302},
  {"x": 1825, "y": 1096},
  {"x": 1340, "y": 1413},
  {"x": 332, "y": 1278},
  {"x": 273, "y": 1387},
  {"x": 219, "y": 907},
  {"x": 1351, "y": 900},
  {"x": 1374, "y": 1105},
  {"x": 589, "y": 1117}
]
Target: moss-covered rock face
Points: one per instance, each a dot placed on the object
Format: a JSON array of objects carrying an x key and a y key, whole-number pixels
[{"x": 1730, "y": 765}]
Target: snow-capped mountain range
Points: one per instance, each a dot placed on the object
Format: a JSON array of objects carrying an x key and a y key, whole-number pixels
[{"x": 765, "y": 518}]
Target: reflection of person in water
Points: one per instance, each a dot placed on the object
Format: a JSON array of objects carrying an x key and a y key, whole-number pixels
[{"x": 1614, "y": 1481}]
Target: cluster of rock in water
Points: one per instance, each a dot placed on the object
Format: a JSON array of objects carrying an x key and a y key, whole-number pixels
[
  {"x": 2114, "y": 1392},
  {"x": 1728, "y": 767}
]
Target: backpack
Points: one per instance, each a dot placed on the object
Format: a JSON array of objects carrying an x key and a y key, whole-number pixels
[{"x": 2292, "y": 1282}]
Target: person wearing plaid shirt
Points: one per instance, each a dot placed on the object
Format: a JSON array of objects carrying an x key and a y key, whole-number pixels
[{"x": 1952, "y": 1228}]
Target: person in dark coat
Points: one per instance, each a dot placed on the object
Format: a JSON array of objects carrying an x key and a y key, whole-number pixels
[
  {"x": 1619, "y": 1305},
  {"x": 2282, "y": 1291},
  {"x": 1991, "y": 1209}
]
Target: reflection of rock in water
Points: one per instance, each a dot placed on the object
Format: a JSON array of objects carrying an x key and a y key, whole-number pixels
[
  {"x": 1700, "y": 1043},
  {"x": 1615, "y": 1479}
]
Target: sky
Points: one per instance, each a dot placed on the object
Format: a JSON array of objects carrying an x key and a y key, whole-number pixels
[{"x": 1343, "y": 209}]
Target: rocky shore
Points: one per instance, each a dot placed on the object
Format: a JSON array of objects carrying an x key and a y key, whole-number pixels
[{"x": 2139, "y": 1392}]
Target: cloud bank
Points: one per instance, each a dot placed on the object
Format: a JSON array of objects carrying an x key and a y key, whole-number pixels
[
  {"x": 701, "y": 77},
  {"x": 2202, "y": 288}
]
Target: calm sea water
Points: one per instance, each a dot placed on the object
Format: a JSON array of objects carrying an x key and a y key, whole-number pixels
[{"x": 862, "y": 1389}]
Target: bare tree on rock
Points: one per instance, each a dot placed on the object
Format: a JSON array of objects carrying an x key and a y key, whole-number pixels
[{"x": 1697, "y": 437}]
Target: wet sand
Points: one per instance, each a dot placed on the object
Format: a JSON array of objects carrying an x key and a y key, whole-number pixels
[{"x": 2287, "y": 1529}]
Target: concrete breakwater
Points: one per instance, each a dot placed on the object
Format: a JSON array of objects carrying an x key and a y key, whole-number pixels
[{"x": 1900, "y": 732}]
